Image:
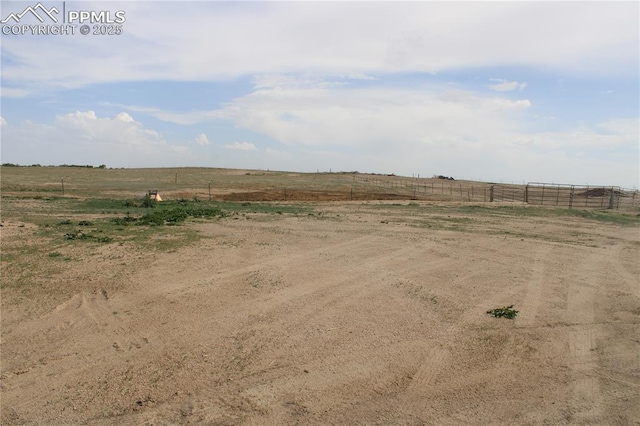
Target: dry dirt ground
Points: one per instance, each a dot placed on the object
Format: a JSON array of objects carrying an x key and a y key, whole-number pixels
[{"x": 368, "y": 313}]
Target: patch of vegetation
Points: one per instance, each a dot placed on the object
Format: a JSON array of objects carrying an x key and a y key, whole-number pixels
[
  {"x": 80, "y": 235},
  {"x": 123, "y": 221},
  {"x": 76, "y": 235},
  {"x": 608, "y": 216},
  {"x": 505, "y": 312},
  {"x": 178, "y": 215},
  {"x": 149, "y": 202},
  {"x": 171, "y": 216}
]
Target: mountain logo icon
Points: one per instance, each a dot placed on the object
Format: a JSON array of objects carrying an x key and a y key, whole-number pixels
[{"x": 38, "y": 11}]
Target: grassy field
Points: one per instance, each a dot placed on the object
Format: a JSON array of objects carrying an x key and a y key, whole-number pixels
[{"x": 185, "y": 182}]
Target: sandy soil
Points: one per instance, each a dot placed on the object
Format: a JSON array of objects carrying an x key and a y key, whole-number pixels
[{"x": 366, "y": 314}]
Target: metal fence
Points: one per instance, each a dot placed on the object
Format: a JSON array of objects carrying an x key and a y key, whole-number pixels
[
  {"x": 429, "y": 189},
  {"x": 580, "y": 196},
  {"x": 534, "y": 193}
]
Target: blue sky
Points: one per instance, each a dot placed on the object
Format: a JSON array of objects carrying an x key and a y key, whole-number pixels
[{"x": 495, "y": 91}]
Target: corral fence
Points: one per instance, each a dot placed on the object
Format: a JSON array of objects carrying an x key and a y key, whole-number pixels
[
  {"x": 534, "y": 193},
  {"x": 429, "y": 189},
  {"x": 580, "y": 196}
]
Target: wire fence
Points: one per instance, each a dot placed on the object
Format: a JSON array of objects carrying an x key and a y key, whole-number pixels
[{"x": 534, "y": 193}]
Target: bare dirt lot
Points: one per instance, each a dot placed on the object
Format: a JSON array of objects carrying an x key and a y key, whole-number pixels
[{"x": 363, "y": 312}]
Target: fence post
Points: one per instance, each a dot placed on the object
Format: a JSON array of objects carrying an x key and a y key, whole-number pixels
[
  {"x": 209, "y": 190},
  {"x": 526, "y": 194},
  {"x": 62, "y": 179},
  {"x": 558, "y": 195},
  {"x": 542, "y": 197},
  {"x": 610, "y": 199},
  {"x": 491, "y": 194},
  {"x": 571, "y": 197}
]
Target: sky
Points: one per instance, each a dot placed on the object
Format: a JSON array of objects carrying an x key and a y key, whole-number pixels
[{"x": 492, "y": 91}]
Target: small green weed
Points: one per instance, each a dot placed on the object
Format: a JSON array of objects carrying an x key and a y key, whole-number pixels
[
  {"x": 505, "y": 312},
  {"x": 76, "y": 235},
  {"x": 79, "y": 235},
  {"x": 149, "y": 202}
]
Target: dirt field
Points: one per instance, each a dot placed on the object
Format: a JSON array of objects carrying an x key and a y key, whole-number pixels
[{"x": 368, "y": 312}]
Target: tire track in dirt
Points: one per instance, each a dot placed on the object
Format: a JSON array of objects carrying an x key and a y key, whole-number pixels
[
  {"x": 586, "y": 403},
  {"x": 163, "y": 279},
  {"x": 327, "y": 293},
  {"x": 434, "y": 373},
  {"x": 535, "y": 285},
  {"x": 430, "y": 367},
  {"x": 631, "y": 278},
  {"x": 311, "y": 298},
  {"x": 434, "y": 362}
]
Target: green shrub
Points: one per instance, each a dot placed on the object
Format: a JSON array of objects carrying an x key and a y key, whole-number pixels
[
  {"x": 148, "y": 202},
  {"x": 505, "y": 312}
]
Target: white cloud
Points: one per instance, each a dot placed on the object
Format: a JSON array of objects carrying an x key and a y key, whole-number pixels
[
  {"x": 80, "y": 116},
  {"x": 241, "y": 146},
  {"x": 370, "y": 118},
  {"x": 622, "y": 126},
  {"x": 499, "y": 104},
  {"x": 506, "y": 86},
  {"x": 404, "y": 131},
  {"x": 183, "y": 118},
  {"x": 364, "y": 39},
  {"x": 3, "y": 122},
  {"x": 123, "y": 116},
  {"x": 82, "y": 137},
  {"x": 202, "y": 140}
]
